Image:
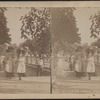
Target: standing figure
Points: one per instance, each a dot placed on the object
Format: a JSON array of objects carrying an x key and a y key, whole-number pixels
[
  {"x": 78, "y": 64},
  {"x": 90, "y": 64},
  {"x": 84, "y": 63},
  {"x": 14, "y": 64},
  {"x": 8, "y": 65},
  {"x": 21, "y": 70},
  {"x": 38, "y": 64},
  {"x": 1, "y": 62},
  {"x": 60, "y": 64},
  {"x": 42, "y": 65},
  {"x": 71, "y": 61}
]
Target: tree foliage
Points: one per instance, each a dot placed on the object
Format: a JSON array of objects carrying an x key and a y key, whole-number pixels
[
  {"x": 96, "y": 43},
  {"x": 2, "y": 49},
  {"x": 30, "y": 44},
  {"x": 64, "y": 25},
  {"x": 64, "y": 30},
  {"x": 36, "y": 25},
  {"x": 95, "y": 26},
  {"x": 4, "y": 36},
  {"x": 68, "y": 48}
]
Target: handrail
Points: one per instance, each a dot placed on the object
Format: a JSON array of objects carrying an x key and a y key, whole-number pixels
[
  {"x": 32, "y": 60},
  {"x": 30, "y": 65}
]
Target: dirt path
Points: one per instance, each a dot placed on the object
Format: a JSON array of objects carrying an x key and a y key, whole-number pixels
[
  {"x": 77, "y": 86},
  {"x": 28, "y": 85}
]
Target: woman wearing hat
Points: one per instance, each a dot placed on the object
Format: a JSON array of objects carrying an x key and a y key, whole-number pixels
[
  {"x": 21, "y": 70},
  {"x": 78, "y": 63},
  {"x": 84, "y": 63},
  {"x": 90, "y": 64},
  {"x": 8, "y": 62}
]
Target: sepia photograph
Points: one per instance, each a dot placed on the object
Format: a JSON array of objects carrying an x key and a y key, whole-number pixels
[
  {"x": 24, "y": 50},
  {"x": 49, "y": 50},
  {"x": 76, "y": 50}
]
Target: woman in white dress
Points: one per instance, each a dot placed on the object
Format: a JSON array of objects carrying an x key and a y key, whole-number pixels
[
  {"x": 60, "y": 64},
  {"x": 21, "y": 65},
  {"x": 8, "y": 65},
  {"x": 78, "y": 63},
  {"x": 71, "y": 60},
  {"x": 8, "y": 62},
  {"x": 90, "y": 64},
  {"x": 84, "y": 63}
]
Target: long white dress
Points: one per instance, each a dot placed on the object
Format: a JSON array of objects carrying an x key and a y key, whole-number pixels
[
  {"x": 78, "y": 62},
  {"x": 61, "y": 65},
  {"x": 8, "y": 65},
  {"x": 78, "y": 66},
  {"x": 90, "y": 65},
  {"x": 21, "y": 65}
]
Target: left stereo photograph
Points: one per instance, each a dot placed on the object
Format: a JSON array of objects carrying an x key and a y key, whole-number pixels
[{"x": 25, "y": 50}]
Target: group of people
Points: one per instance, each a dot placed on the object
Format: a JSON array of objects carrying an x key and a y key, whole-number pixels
[
  {"x": 11, "y": 63},
  {"x": 83, "y": 62}
]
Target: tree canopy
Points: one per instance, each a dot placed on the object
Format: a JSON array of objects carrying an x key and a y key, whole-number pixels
[
  {"x": 96, "y": 43},
  {"x": 30, "y": 44},
  {"x": 36, "y": 25},
  {"x": 63, "y": 29},
  {"x": 95, "y": 26},
  {"x": 64, "y": 25},
  {"x": 4, "y": 36}
]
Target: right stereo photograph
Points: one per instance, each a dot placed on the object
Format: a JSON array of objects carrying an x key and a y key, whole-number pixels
[{"x": 75, "y": 57}]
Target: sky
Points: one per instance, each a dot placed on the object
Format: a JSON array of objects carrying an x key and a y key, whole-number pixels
[
  {"x": 83, "y": 23},
  {"x": 14, "y": 24},
  {"x": 82, "y": 17}
]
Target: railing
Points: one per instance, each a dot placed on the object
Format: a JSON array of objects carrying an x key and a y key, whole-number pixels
[
  {"x": 97, "y": 59},
  {"x": 31, "y": 61}
]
